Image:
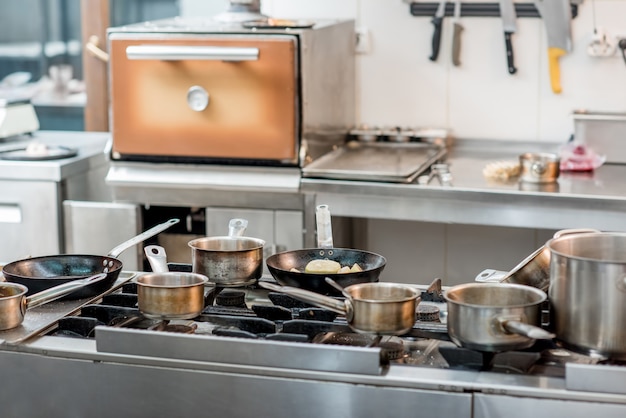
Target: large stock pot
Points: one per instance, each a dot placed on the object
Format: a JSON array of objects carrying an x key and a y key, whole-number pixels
[{"x": 588, "y": 292}]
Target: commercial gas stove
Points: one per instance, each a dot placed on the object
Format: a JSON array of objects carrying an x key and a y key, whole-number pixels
[{"x": 254, "y": 352}]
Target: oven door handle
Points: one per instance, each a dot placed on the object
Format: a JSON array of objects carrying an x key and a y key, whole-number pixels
[{"x": 185, "y": 52}]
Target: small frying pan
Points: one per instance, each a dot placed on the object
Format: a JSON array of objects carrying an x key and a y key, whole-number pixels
[
  {"x": 41, "y": 273},
  {"x": 280, "y": 266}
]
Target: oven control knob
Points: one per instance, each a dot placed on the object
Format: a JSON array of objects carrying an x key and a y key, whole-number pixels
[{"x": 197, "y": 98}]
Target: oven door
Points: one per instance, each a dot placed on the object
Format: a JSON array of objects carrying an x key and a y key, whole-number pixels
[{"x": 205, "y": 97}]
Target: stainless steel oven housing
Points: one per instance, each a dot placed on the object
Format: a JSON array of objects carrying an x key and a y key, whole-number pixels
[{"x": 323, "y": 102}]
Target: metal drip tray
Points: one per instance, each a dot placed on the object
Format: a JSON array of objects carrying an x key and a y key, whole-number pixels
[{"x": 376, "y": 161}]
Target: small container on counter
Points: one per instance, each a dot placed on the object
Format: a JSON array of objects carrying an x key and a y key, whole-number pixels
[{"x": 539, "y": 167}]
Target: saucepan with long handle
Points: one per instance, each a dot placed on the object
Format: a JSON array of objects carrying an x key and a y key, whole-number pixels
[
  {"x": 14, "y": 303},
  {"x": 229, "y": 261},
  {"x": 534, "y": 270},
  {"x": 495, "y": 317},
  {"x": 370, "y": 308},
  {"x": 169, "y": 295}
]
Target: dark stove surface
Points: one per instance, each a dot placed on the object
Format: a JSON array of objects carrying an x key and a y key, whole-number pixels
[{"x": 254, "y": 313}]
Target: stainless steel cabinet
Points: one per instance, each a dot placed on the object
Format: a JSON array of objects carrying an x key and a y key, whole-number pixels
[
  {"x": 29, "y": 219},
  {"x": 97, "y": 227}
]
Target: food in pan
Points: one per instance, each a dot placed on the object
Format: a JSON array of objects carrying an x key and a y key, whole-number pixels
[
  {"x": 322, "y": 266},
  {"x": 325, "y": 266}
]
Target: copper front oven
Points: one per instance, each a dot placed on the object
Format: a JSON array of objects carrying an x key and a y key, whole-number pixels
[{"x": 200, "y": 91}]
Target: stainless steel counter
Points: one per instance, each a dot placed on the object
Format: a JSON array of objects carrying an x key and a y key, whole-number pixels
[
  {"x": 90, "y": 148},
  {"x": 594, "y": 200}
]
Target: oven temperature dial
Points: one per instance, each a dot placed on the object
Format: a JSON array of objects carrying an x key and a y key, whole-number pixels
[{"x": 197, "y": 98}]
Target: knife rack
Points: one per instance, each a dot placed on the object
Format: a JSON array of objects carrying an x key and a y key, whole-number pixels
[{"x": 478, "y": 9}]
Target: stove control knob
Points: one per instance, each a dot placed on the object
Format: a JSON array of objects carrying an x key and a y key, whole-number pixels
[{"x": 197, "y": 98}]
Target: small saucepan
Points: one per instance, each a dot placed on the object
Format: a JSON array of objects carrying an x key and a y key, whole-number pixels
[
  {"x": 14, "y": 303},
  {"x": 495, "y": 317},
  {"x": 168, "y": 295},
  {"x": 171, "y": 295},
  {"x": 370, "y": 308},
  {"x": 229, "y": 261}
]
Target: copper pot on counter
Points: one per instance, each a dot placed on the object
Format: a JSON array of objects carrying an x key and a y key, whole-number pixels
[{"x": 541, "y": 167}]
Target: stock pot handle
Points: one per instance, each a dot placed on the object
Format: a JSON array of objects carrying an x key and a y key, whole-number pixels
[
  {"x": 562, "y": 232},
  {"x": 186, "y": 52}
]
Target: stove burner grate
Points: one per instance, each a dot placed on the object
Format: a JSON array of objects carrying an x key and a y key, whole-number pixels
[{"x": 165, "y": 326}]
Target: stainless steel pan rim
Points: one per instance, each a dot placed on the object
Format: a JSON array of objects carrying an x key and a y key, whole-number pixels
[
  {"x": 563, "y": 246},
  {"x": 540, "y": 295},
  {"x": 395, "y": 292},
  {"x": 217, "y": 244}
]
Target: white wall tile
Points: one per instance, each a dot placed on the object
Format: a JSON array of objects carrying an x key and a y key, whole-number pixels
[
  {"x": 485, "y": 100},
  {"x": 307, "y": 9},
  {"x": 399, "y": 86}
]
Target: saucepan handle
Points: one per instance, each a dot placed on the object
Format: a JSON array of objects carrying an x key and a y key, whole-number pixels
[
  {"x": 309, "y": 297},
  {"x": 524, "y": 329},
  {"x": 236, "y": 227},
  {"x": 490, "y": 276},
  {"x": 61, "y": 290},
  {"x": 157, "y": 258}
]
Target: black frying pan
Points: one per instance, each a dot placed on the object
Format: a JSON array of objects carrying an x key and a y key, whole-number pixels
[
  {"x": 41, "y": 273},
  {"x": 280, "y": 265}
]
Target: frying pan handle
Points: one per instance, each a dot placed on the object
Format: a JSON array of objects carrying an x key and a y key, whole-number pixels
[
  {"x": 142, "y": 237},
  {"x": 309, "y": 297},
  {"x": 527, "y": 330},
  {"x": 324, "y": 227},
  {"x": 61, "y": 290}
]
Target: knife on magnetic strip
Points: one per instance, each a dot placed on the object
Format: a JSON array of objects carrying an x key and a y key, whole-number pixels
[
  {"x": 456, "y": 34},
  {"x": 437, "y": 22},
  {"x": 557, "y": 17},
  {"x": 507, "y": 12}
]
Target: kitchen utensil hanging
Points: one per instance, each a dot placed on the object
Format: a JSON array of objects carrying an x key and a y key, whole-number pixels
[{"x": 487, "y": 9}]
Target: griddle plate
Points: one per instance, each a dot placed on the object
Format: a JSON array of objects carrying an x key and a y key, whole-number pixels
[{"x": 376, "y": 161}]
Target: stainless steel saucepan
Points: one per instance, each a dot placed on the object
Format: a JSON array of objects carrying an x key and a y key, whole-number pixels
[
  {"x": 169, "y": 295},
  {"x": 534, "y": 270},
  {"x": 229, "y": 261},
  {"x": 370, "y": 308},
  {"x": 495, "y": 317},
  {"x": 14, "y": 303}
]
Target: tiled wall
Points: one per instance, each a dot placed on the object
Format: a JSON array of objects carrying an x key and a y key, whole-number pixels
[
  {"x": 479, "y": 99},
  {"x": 400, "y": 86}
]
